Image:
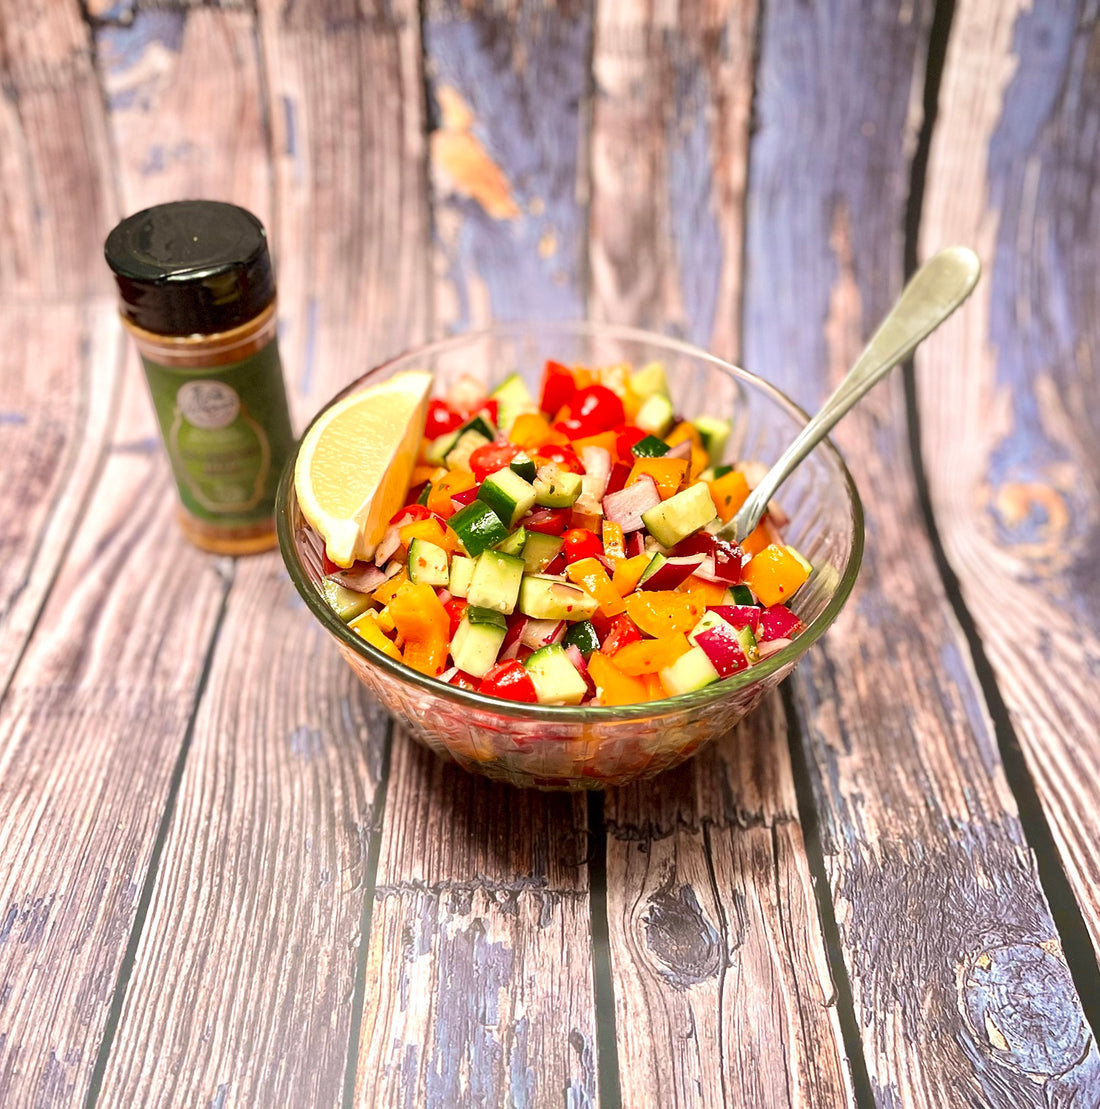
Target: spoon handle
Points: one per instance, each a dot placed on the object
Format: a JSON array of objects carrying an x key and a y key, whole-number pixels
[{"x": 930, "y": 296}]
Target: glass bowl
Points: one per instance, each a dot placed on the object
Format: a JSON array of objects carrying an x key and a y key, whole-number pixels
[{"x": 574, "y": 747}]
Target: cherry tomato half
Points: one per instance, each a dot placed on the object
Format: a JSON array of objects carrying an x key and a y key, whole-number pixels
[
  {"x": 510, "y": 680},
  {"x": 440, "y": 419},
  {"x": 595, "y": 408},
  {"x": 549, "y": 521},
  {"x": 455, "y": 608},
  {"x": 565, "y": 457},
  {"x": 558, "y": 387},
  {"x": 491, "y": 457},
  {"x": 410, "y": 513},
  {"x": 578, "y": 543},
  {"x": 622, "y": 631}
]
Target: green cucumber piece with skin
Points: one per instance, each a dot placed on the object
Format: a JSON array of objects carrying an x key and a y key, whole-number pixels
[
  {"x": 477, "y": 640},
  {"x": 436, "y": 451},
  {"x": 478, "y": 528},
  {"x": 523, "y": 466},
  {"x": 514, "y": 544},
  {"x": 548, "y": 598},
  {"x": 427, "y": 563},
  {"x": 424, "y": 493},
  {"x": 458, "y": 456},
  {"x": 480, "y": 424},
  {"x": 557, "y": 681},
  {"x": 648, "y": 380},
  {"x": 742, "y": 595},
  {"x": 655, "y": 563},
  {"x": 706, "y": 622},
  {"x": 681, "y": 515},
  {"x": 346, "y": 603},
  {"x": 508, "y": 495},
  {"x": 582, "y": 635},
  {"x": 650, "y": 447},
  {"x": 691, "y": 671},
  {"x": 748, "y": 643},
  {"x": 714, "y": 434},
  {"x": 495, "y": 582},
  {"x": 462, "y": 570},
  {"x": 555, "y": 487},
  {"x": 513, "y": 398},
  {"x": 540, "y": 550},
  {"x": 655, "y": 415}
]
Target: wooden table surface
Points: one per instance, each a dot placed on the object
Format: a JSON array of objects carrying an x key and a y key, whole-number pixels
[{"x": 227, "y": 880}]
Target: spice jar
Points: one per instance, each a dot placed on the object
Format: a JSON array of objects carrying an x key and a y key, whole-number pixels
[{"x": 197, "y": 293}]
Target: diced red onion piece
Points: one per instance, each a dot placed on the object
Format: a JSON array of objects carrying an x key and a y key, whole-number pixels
[
  {"x": 672, "y": 572},
  {"x": 698, "y": 542},
  {"x": 577, "y": 659},
  {"x": 772, "y": 646},
  {"x": 625, "y": 507},
  {"x": 387, "y": 545},
  {"x": 513, "y": 636},
  {"x": 721, "y": 645},
  {"x": 467, "y": 496},
  {"x": 597, "y": 470},
  {"x": 447, "y": 675},
  {"x": 540, "y": 633},
  {"x": 635, "y": 544},
  {"x": 778, "y": 622},
  {"x": 363, "y": 577},
  {"x": 739, "y": 616},
  {"x": 679, "y": 450}
]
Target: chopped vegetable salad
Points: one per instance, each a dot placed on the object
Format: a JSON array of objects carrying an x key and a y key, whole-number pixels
[{"x": 562, "y": 548}]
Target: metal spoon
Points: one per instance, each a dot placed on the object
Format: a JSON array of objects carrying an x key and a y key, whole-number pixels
[{"x": 931, "y": 295}]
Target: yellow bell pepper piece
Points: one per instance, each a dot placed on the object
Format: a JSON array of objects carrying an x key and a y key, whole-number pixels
[
  {"x": 531, "y": 430},
  {"x": 706, "y": 592},
  {"x": 684, "y": 430},
  {"x": 591, "y": 576},
  {"x": 647, "y": 656},
  {"x": 614, "y": 542},
  {"x": 389, "y": 589},
  {"x": 423, "y": 624},
  {"x": 628, "y": 572},
  {"x": 667, "y": 473},
  {"x": 368, "y": 627},
  {"x": 775, "y": 575},
  {"x": 432, "y": 530},
  {"x": 660, "y": 612}
]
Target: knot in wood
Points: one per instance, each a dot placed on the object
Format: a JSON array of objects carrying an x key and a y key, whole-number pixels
[{"x": 681, "y": 938}]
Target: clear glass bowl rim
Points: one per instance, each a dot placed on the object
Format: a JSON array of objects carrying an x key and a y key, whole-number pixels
[{"x": 569, "y": 714}]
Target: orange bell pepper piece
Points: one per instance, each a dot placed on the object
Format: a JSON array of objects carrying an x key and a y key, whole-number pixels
[
  {"x": 647, "y": 656},
  {"x": 453, "y": 481},
  {"x": 661, "y": 612},
  {"x": 423, "y": 624},
  {"x": 432, "y": 530},
  {"x": 729, "y": 492},
  {"x": 760, "y": 537},
  {"x": 614, "y": 542},
  {"x": 684, "y": 430},
  {"x": 612, "y": 685},
  {"x": 700, "y": 460},
  {"x": 667, "y": 473},
  {"x": 425, "y": 473},
  {"x": 531, "y": 430},
  {"x": 775, "y": 575},
  {"x": 606, "y": 439},
  {"x": 389, "y": 589},
  {"x": 706, "y": 592},
  {"x": 628, "y": 571},
  {"x": 591, "y": 576}
]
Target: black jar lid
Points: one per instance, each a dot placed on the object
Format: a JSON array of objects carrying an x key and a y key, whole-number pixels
[{"x": 191, "y": 267}]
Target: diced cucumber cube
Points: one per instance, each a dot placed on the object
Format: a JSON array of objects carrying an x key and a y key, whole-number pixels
[
  {"x": 515, "y": 543},
  {"x": 683, "y": 513},
  {"x": 714, "y": 434},
  {"x": 655, "y": 415},
  {"x": 648, "y": 380},
  {"x": 495, "y": 582},
  {"x": 346, "y": 603},
  {"x": 462, "y": 570},
  {"x": 547, "y": 598},
  {"x": 556, "y": 487},
  {"x": 540, "y": 550},
  {"x": 508, "y": 495},
  {"x": 427, "y": 563},
  {"x": 523, "y": 466},
  {"x": 478, "y": 528},
  {"x": 582, "y": 635},
  {"x": 649, "y": 447},
  {"x": 477, "y": 641},
  {"x": 512, "y": 397},
  {"x": 458, "y": 456},
  {"x": 690, "y": 671},
  {"x": 557, "y": 681}
]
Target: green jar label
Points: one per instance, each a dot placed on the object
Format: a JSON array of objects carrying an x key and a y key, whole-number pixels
[{"x": 227, "y": 431}]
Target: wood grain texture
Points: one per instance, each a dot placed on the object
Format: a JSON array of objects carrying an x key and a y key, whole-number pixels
[
  {"x": 256, "y": 914},
  {"x": 723, "y": 994},
  {"x": 480, "y": 969},
  {"x": 508, "y": 92},
  {"x": 243, "y": 978},
  {"x": 722, "y": 991},
  {"x": 1009, "y": 394},
  {"x": 934, "y": 887},
  {"x": 671, "y": 106}
]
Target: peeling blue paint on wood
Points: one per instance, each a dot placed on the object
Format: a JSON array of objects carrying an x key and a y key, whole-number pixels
[{"x": 123, "y": 48}]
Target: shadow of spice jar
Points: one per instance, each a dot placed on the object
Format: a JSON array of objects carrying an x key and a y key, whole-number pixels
[{"x": 197, "y": 293}]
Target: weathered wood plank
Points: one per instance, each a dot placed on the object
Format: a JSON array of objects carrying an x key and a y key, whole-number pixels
[
  {"x": 1009, "y": 394},
  {"x": 508, "y": 89},
  {"x": 256, "y": 913},
  {"x": 702, "y": 943},
  {"x": 479, "y": 964},
  {"x": 961, "y": 991},
  {"x": 723, "y": 992}
]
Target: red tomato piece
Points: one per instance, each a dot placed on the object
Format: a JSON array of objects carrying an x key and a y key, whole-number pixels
[
  {"x": 581, "y": 543},
  {"x": 623, "y": 630},
  {"x": 410, "y": 514},
  {"x": 491, "y": 457},
  {"x": 625, "y": 439},
  {"x": 595, "y": 408},
  {"x": 557, "y": 564},
  {"x": 440, "y": 419},
  {"x": 455, "y": 608},
  {"x": 549, "y": 521},
  {"x": 510, "y": 680},
  {"x": 565, "y": 457},
  {"x": 557, "y": 389},
  {"x": 463, "y": 680}
]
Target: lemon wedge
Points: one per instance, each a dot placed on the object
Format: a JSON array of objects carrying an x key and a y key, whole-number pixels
[{"x": 355, "y": 463}]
